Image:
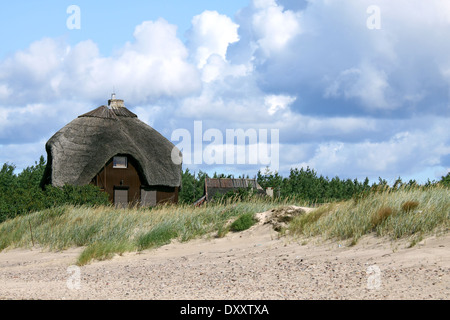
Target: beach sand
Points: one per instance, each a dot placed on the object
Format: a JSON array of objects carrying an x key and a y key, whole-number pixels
[{"x": 253, "y": 264}]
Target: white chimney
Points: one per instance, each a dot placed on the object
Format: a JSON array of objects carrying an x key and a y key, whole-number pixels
[{"x": 115, "y": 103}]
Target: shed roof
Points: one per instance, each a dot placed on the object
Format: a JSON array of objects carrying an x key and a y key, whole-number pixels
[{"x": 223, "y": 185}]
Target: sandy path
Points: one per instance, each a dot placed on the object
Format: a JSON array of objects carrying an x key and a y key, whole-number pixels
[{"x": 254, "y": 264}]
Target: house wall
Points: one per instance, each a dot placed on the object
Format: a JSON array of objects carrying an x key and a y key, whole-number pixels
[
  {"x": 110, "y": 179},
  {"x": 167, "y": 194},
  {"x": 159, "y": 194}
]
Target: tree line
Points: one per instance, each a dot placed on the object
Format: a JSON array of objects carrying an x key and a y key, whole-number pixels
[
  {"x": 21, "y": 193},
  {"x": 308, "y": 185},
  {"x": 303, "y": 184}
]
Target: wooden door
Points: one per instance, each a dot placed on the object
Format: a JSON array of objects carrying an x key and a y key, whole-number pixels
[{"x": 121, "y": 198}]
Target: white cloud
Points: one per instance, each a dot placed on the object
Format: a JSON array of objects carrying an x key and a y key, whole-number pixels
[
  {"x": 333, "y": 54},
  {"x": 211, "y": 33},
  {"x": 154, "y": 65},
  {"x": 368, "y": 84},
  {"x": 37, "y": 62},
  {"x": 149, "y": 114},
  {"x": 273, "y": 26},
  {"x": 277, "y": 102},
  {"x": 317, "y": 74},
  {"x": 26, "y": 75},
  {"x": 27, "y": 123},
  {"x": 404, "y": 153},
  {"x": 5, "y": 91},
  {"x": 216, "y": 68}
]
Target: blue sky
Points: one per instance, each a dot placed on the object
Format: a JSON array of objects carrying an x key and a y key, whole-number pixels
[
  {"x": 352, "y": 92},
  {"x": 108, "y": 23}
]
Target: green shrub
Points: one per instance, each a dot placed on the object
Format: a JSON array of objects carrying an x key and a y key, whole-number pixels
[
  {"x": 244, "y": 222},
  {"x": 22, "y": 194},
  {"x": 19, "y": 201}
]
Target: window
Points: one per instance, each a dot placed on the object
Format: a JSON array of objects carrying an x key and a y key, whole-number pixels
[{"x": 120, "y": 162}]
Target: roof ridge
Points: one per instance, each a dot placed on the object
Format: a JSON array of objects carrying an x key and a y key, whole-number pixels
[
  {"x": 109, "y": 113},
  {"x": 101, "y": 112}
]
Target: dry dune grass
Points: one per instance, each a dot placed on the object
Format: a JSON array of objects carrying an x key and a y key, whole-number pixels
[
  {"x": 105, "y": 231},
  {"x": 380, "y": 215},
  {"x": 388, "y": 213}
]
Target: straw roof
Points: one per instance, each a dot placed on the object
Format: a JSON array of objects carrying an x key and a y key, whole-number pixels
[{"x": 79, "y": 151}]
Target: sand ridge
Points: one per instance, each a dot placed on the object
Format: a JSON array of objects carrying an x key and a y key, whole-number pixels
[{"x": 254, "y": 264}]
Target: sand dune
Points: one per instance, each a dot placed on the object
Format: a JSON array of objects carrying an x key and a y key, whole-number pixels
[{"x": 253, "y": 264}]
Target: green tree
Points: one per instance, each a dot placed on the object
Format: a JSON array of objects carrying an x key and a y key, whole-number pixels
[
  {"x": 192, "y": 186},
  {"x": 32, "y": 176},
  {"x": 187, "y": 192},
  {"x": 445, "y": 180},
  {"x": 270, "y": 180},
  {"x": 7, "y": 177},
  {"x": 21, "y": 194}
]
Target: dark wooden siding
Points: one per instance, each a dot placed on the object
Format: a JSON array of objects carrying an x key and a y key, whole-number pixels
[
  {"x": 110, "y": 178},
  {"x": 167, "y": 194}
]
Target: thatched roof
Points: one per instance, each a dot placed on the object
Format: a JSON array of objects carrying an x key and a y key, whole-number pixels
[{"x": 77, "y": 152}]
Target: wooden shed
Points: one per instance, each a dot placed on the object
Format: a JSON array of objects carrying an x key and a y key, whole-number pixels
[
  {"x": 112, "y": 149},
  {"x": 221, "y": 186}
]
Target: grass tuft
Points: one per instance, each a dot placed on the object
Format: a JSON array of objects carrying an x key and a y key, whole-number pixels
[
  {"x": 380, "y": 215},
  {"x": 103, "y": 251},
  {"x": 244, "y": 222},
  {"x": 409, "y": 206},
  {"x": 158, "y": 236}
]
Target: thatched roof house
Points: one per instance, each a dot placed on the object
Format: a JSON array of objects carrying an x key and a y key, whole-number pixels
[{"x": 111, "y": 148}]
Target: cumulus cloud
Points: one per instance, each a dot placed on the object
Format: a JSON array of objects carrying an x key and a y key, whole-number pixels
[
  {"x": 368, "y": 84},
  {"x": 273, "y": 26},
  {"x": 153, "y": 65},
  {"x": 29, "y": 75},
  {"x": 277, "y": 102},
  {"x": 27, "y": 123},
  {"x": 346, "y": 99},
  {"x": 334, "y": 64},
  {"x": 216, "y": 68},
  {"x": 403, "y": 154},
  {"x": 211, "y": 33}
]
